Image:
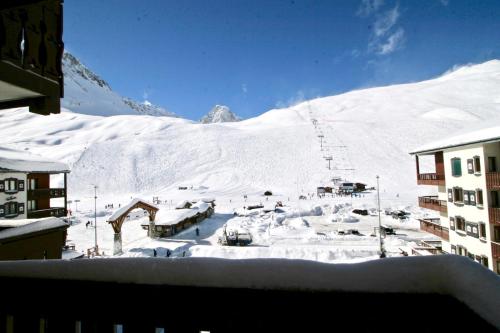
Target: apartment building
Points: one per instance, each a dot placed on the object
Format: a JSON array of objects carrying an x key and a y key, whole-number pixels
[
  {"x": 25, "y": 186},
  {"x": 467, "y": 179}
]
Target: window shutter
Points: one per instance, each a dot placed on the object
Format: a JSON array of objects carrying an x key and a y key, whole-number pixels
[
  {"x": 452, "y": 223},
  {"x": 2, "y": 185},
  {"x": 466, "y": 198},
  {"x": 472, "y": 198},
  {"x": 450, "y": 195},
  {"x": 2, "y": 210},
  {"x": 20, "y": 207},
  {"x": 20, "y": 185},
  {"x": 470, "y": 165}
]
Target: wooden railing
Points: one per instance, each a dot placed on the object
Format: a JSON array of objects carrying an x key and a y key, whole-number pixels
[
  {"x": 494, "y": 214},
  {"x": 432, "y": 202},
  {"x": 46, "y": 193},
  {"x": 31, "y": 49},
  {"x": 493, "y": 180},
  {"x": 33, "y": 297},
  {"x": 433, "y": 226},
  {"x": 495, "y": 249},
  {"x": 430, "y": 179},
  {"x": 55, "y": 212}
]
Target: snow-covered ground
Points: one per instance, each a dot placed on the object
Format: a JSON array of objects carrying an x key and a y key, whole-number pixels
[{"x": 366, "y": 132}]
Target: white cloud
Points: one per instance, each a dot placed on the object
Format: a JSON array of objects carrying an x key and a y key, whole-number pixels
[
  {"x": 368, "y": 7},
  {"x": 386, "y": 21},
  {"x": 394, "y": 42},
  {"x": 244, "y": 88}
]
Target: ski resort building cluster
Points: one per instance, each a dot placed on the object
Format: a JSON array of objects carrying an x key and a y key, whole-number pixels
[{"x": 467, "y": 178}]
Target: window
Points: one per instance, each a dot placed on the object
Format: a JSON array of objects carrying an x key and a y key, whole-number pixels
[
  {"x": 32, "y": 183},
  {"x": 484, "y": 261},
  {"x": 460, "y": 223},
  {"x": 461, "y": 251},
  {"x": 477, "y": 164},
  {"x": 458, "y": 195},
  {"x": 10, "y": 185},
  {"x": 450, "y": 195},
  {"x": 482, "y": 230},
  {"x": 456, "y": 167},
  {"x": 496, "y": 233},
  {"x": 470, "y": 166},
  {"x": 470, "y": 255},
  {"x": 11, "y": 209},
  {"x": 452, "y": 223},
  {"x": 453, "y": 249},
  {"x": 472, "y": 229},
  {"x": 470, "y": 198},
  {"x": 492, "y": 164},
  {"x": 2, "y": 186},
  {"x": 479, "y": 197},
  {"x": 31, "y": 205}
]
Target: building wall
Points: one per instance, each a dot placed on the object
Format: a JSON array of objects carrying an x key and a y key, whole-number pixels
[
  {"x": 37, "y": 246},
  {"x": 470, "y": 213},
  {"x": 20, "y": 196}
]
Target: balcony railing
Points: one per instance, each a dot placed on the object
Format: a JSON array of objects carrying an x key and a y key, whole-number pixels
[
  {"x": 493, "y": 180},
  {"x": 46, "y": 193},
  {"x": 198, "y": 288},
  {"x": 433, "y": 226},
  {"x": 55, "y": 212},
  {"x": 494, "y": 215},
  {"x": 432, "y": 202},
  {"x": 430, "y": 179},
  {"x": 495, "y": 250}
]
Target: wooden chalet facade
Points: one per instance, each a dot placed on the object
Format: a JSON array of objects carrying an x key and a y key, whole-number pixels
[{"x": 31, "y": 50}]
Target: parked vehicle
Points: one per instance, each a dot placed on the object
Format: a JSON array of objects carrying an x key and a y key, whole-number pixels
[
  {"x": 400, "y": 214},
  {"x": 360, "y": 211},
  {"x": 235, "y": 238},
  {"x": 386, "y": 230}
]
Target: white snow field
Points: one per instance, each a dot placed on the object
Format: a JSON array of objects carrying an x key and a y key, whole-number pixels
[{"x": 367, "y": 133}]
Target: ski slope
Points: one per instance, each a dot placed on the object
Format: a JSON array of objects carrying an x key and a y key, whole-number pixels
[{"x": 366, "y": 132}]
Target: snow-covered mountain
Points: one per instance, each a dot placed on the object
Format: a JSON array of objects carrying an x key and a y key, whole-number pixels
[
  {"x": 219, "y": 114},
  {"x": 366, "y": 132},
  {"x": 85, "y": 92}
]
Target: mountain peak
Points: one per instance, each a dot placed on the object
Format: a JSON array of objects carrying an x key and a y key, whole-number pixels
[{"x": 219, "y": 114}]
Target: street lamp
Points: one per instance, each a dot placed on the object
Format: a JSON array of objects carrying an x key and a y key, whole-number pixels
[
  {"x": 95, "y": 219},
  {"x": 382, "y": 251}
]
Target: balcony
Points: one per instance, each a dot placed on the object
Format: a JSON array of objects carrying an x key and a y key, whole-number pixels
[
  {"x": 432, "y": 202},
  {"x": 495, "y": 250},
  {"x": 31, "y": 49},
  {"x": 198, "y": 288},
  {"x": 46, "y": 193},
  {"x": 433, "y": 226},
  {"x": 50, "y": 212},
  {"x": 430, "y": 179},
  {"x": 493, "y": 180},
  {"x": 494, "y": 215}
]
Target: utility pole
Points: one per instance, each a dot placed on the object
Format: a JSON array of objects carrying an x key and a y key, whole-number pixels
[
  {"x": 382, "y": 251},
  {"x": 95, "y": 219},
  {"x": 329, "y": 159}
]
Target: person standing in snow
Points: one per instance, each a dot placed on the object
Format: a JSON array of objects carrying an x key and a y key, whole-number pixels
[
  {"x": 154, "y": 252},
  {"x": 197, "y": 232}
]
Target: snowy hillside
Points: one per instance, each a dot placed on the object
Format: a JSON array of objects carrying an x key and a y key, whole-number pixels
[
  {"x": 367, "y": 133},
  {"x": 219, "y": 114},
  {"x": 85, "y": 92}
]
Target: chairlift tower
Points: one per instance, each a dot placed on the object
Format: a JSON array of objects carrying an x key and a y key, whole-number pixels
[
  {"x": 382, "y": 251},
  {"x": 321, "y": 136},
  {"x": 95, "y": 219},
  {"x": 329, "y": 159}
]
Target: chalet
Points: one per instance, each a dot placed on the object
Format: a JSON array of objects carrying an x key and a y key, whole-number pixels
[{"x": 25, "y": 186}]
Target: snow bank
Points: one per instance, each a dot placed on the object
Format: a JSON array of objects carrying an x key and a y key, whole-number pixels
[{"x": 430, "y": 274}]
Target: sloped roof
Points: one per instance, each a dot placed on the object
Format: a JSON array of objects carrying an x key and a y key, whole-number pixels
[
  {"x": 21, "y": 161},
  {"x": 34, "y": 227},
  {"x": 484, "y": 135}
]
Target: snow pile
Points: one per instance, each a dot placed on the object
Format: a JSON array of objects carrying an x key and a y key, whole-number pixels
[{"x": 219, "y": 114}]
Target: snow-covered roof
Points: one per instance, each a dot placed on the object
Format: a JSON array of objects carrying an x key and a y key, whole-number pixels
[
  {"x": 174, "y": 216},
  {"x": 36, "y": 226},
  {"x": 119, "y": 212},
  {"x": 16, "y": 160},
  {"x": 8, "y": 223},
  {"x": 491, "y": 134},
  {"x": 421, "y": 275},
  {"x": 201, "y": 206}
]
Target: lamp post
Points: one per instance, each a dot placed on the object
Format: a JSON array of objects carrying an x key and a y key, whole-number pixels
[
  {"x": 382, "y": 251},
  {"x": 95, "y": 219}
]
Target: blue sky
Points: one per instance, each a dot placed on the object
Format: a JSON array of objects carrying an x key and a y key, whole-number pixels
[{"x": 257, "y": 55}]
